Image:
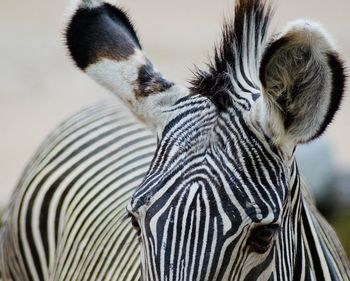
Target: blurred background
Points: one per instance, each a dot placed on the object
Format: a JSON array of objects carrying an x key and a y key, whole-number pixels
[{"x": 40, "y": 87}]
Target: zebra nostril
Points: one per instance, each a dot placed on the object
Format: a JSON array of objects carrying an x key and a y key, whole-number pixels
[{"x": 261, "y": 238}]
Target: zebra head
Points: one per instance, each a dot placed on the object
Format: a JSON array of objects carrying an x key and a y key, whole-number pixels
[{"x": 222, "y": 199}]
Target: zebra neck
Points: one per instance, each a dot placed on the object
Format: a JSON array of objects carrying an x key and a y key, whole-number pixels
[{"x": 319, "y": 255}]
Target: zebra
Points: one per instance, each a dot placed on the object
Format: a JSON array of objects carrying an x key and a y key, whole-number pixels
[{"x": 206, "y": 186}]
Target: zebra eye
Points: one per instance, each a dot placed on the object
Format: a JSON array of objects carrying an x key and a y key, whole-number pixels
[{"x": 261, "y": 237}]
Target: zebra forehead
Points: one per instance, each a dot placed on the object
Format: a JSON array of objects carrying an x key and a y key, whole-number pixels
[{"x": 231, "y": 180}]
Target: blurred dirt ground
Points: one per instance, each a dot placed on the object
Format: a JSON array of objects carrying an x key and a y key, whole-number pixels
[{"x": 40, "y": 87}]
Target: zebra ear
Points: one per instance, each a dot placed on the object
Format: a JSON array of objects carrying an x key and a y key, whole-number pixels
[
  {"x": 103, "y": 43},
  {"x": 303, "y": 82}
]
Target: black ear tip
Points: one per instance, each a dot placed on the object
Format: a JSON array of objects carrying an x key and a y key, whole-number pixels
[
  {"x": 101, "y": 31},
  {"x": 123, "y": 15}
]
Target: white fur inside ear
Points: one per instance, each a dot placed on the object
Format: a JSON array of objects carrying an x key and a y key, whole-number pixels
[{"x": 298, "y": 82}]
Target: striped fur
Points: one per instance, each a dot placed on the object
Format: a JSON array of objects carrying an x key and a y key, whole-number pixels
[
  {"x": 218, "y": 197},
  {"x": 72, "y": 198}
]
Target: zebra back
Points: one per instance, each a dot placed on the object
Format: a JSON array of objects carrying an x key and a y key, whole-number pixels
[{"x": 67, "y": 219}]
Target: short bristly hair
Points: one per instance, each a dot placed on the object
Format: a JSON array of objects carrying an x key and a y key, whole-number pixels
[{"x": 237, "y": 56}]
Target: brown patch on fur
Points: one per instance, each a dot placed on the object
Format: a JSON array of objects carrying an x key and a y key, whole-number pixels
[
  {"x": 150, "y": 82},
  {"x": 123, "y": 54}
]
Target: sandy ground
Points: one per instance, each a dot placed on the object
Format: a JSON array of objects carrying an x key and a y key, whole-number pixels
[{"x": 40, "y": 87}]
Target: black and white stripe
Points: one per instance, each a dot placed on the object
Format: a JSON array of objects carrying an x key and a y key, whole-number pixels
[
  {"x": 68, "y": 219},
  {"x": 218, "y": 197}
]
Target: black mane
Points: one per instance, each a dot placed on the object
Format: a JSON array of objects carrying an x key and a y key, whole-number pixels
[{"x": 216, "y": 82}]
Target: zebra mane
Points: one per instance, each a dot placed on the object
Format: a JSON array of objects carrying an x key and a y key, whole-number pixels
[{"x": 235, "y": 66}]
